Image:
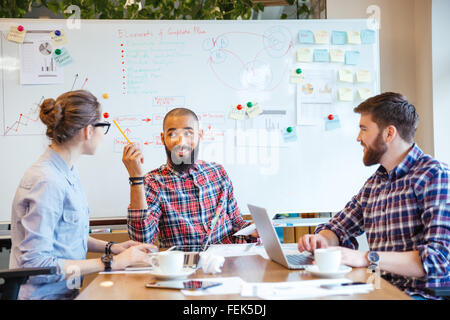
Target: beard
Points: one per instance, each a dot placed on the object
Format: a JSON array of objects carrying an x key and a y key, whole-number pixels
[
  {"x": 185, "y": 162},
  {"x": 374, "y": 153}
]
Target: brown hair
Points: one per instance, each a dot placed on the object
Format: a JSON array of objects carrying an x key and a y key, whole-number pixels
[
  {"x": 69, "y": 113},
  {"x": 391, "y": 108}
]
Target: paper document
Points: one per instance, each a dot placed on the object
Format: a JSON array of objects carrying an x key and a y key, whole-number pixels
[
  {"x": 246, "y": 231},
  {"x": 305, "y": 289},
  {"x": 37, "y": 65}
]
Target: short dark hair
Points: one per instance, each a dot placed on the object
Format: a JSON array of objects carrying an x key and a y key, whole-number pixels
[
  {"x": 180, "y": 112},
  {"x": 392, "y": 108}
]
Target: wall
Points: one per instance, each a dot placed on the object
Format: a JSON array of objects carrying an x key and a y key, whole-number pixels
[
  {"x": 441, "y": 78},
  {"x": 405, "y": 52}
]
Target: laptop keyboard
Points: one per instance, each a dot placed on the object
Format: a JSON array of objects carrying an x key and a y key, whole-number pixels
[{"x": 299, "y": 259}]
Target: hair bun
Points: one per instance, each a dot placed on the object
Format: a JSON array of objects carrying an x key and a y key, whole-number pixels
[{"x": 46, "y": 114}]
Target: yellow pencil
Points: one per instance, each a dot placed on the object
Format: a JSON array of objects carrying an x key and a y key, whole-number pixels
[{"x": 121, "y": 131}]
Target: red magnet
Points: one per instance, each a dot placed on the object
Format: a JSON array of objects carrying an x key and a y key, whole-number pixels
[
  {"x": 330, "y": 117},
  {"x": 20, "y": 28},
  {"x": 106, "y": 115},
  {"x": 239, "y": 107}
]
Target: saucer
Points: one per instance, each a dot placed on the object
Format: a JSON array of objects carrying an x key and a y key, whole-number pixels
[
  {"x": 172, "y": 276},
  {"x": 334, "y": 274}
]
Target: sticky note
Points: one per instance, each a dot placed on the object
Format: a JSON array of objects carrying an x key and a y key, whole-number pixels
[
  {"x": 296, "y": 77},
  {"x": 15, "y": 35},
  {"x": 254, "y": 111},
  {"x": 345, "y": 94},
  {"x": 337, "y": 55},
  {"x": 58, "y": 40},
  {"x": 345, "y": 75},
  {"x": 367, "y": 36},
  {"x": 364, "y": 93},
  {"x": 339, "y": 37},
  {"x": 237, "y": 112},
  {"x": 321, "y": 37},
  {"x": 304, "y": 55},
  {"x": 306, "y": 37},
  {"x": 62, "y": 57},
  {"x": 363, "y": 75},
  {"x": 332, "y": 124},
  {"x": 353, "y": 37},
  {"x": 352, "y": 57},
  {"x": 321, "y": 55},
  {"x": 290, "y": 134}
]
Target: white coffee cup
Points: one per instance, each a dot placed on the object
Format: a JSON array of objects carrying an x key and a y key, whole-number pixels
[
  {"x": 167, "y": 262},
  {"x": 327, "y": 259}
]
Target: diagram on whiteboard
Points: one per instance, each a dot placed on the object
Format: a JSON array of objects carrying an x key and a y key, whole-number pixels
[
  {"x": 25, "y": 123},
  {"x": 260, "y": 65}
]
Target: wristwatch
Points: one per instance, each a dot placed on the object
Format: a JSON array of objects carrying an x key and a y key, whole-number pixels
[
  {"x": 107, "y": 260},
  {"x": 136, "y": 180},
  {"x": 374, "y": 259}
]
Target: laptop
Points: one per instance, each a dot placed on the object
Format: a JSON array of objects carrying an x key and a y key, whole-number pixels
[{"x": 272, "y": 244}]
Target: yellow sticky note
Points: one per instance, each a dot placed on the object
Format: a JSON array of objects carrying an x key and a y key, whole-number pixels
[
  {"x": 321, "y": 37},
  {"x": 363, "y": 75},
  {"x": 337, "y": 55},
  {"x": 304, "y": 55},
  {"x": 17, "y": 34},
  {"x": 345, "y": 94},
  {"x": 254, "y": 111},
  {"x": 364, "y": 93},
  {"x": 346, "y": 75},
  {"x": 354, "y": 37},
  {"x": 237, "y": 112},
  {"x": 58, "y": 38},
  {"x": 296, "y": 77}
]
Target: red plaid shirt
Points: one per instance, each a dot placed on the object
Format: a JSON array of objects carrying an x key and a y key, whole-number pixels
[{"x": 182, "y": 205}]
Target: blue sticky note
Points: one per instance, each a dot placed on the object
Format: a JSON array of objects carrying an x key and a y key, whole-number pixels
[
  {"x": 352, "y": 58},
  {"x": 367, "y": 36},
  {"x": 62, "y": 57},
  {"x": 332, "y": 124},
  {"x": 321, "y": 55},
  {"x": 290, "y": 136},
  {"x": 306, "y": 36},
  {"x": 339, "y": 37}
]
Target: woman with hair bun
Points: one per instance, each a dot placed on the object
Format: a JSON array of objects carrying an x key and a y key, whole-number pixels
[{"x": 50, "y": 214}]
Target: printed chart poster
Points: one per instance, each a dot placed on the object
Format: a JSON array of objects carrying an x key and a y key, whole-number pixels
[{"x": 317, "y": 86}]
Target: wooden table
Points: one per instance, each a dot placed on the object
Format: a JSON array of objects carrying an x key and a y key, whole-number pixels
[{"x": 249, "y": 268}]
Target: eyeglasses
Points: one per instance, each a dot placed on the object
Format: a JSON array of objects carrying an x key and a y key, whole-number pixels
[{"x": 105, "y": 126}]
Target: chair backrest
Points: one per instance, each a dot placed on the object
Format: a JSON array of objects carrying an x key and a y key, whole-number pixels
[{"x": 12, "y": 279}]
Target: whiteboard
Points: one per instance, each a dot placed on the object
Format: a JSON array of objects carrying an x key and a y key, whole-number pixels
[{"x": 210, "y": 67}]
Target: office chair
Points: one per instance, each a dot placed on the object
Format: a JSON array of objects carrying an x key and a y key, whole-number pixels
[{"x": 12, "y": 279}]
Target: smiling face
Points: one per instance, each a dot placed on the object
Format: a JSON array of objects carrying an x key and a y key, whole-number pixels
[
  {"x": 372, "y": 139},
  {"x": 181, "y": 138}
]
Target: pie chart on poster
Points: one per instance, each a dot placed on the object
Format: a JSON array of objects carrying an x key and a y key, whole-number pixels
[{"x": 45, "y": 48}]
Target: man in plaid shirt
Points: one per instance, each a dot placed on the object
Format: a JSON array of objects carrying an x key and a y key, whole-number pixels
[
  {"x": 180, "y": 200},
  {"x": 404, "y": 207}
]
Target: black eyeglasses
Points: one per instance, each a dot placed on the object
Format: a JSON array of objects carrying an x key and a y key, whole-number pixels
[{"x": 105, "y": 126}]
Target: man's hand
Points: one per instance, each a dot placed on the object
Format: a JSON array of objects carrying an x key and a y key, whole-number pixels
[
  {"x": 133, "y": 160},
  {"x": 353, "y": 258},
  {"x": 311, "y": 242}
]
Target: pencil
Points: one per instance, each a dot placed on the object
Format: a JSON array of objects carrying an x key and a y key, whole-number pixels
[{"x": 121, "y": 131}]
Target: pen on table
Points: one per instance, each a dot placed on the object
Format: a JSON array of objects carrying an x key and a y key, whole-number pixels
[{"x": 121, "y": 131}]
